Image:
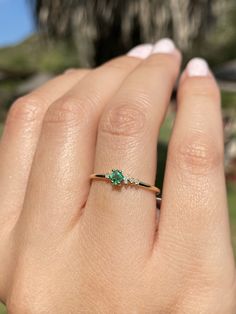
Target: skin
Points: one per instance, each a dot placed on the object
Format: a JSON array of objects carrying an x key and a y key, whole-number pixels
[{"x": 72, "y": 246}]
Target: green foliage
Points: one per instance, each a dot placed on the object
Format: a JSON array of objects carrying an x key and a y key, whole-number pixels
[
  {"x": 228, "y": 99},
  {"x": 32, "y": 56},
  {"x": 35, "y": 55},
  {"x": 165, "y": 131},
  {"x": 220, "y": 45},
  {"x": 2, "y": 309}
]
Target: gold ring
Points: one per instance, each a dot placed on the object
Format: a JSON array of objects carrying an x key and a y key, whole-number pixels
[{"x": 117, "y": 178}]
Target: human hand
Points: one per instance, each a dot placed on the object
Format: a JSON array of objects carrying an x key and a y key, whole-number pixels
[{"x": 68, "y": 246}]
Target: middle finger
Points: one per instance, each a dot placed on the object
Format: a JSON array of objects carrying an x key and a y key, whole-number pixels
[{"x": 65, "y": 152}]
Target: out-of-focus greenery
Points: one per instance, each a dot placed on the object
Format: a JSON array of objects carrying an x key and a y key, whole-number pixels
[
  {"x": 35, "y": 55},
  {"x": 2, "y": 309},
  {"x": 221, "y": 43},
  {"x": 228, "y": 99}
]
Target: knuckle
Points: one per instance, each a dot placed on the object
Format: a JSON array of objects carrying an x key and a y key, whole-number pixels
[
  {"x": 67, "y": 111},
  {"x": 124, "y": 120},
  {"x": 197, "y": 153},
  {"x": 27, "y": 108}
]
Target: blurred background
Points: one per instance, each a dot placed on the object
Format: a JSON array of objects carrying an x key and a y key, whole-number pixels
[{"x": 41, "y": 38}]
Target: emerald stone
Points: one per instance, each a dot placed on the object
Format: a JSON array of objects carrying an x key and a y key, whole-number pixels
[{"x": 116, "y": 177}]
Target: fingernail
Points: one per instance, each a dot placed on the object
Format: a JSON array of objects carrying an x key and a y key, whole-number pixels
[
  {"x": 141, "y": 51},
  {"x": 197, "y": 67},
  {"x": 164, "y": 45}
]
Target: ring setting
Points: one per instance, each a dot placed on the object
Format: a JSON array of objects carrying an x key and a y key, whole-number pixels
[{"x": 117, "y": 178}]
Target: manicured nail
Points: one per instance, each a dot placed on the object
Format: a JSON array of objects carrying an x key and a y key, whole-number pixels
[
  {"x": 164, "y": 45},
  {"x": 197, "y": 67},
  {"x": 141, "y": 51}
]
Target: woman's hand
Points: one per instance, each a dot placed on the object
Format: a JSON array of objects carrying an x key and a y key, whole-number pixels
[{"x": 68, "y": 246}]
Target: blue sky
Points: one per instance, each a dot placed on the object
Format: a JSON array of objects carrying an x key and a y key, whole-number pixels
[{"x": 16, "y": 21}]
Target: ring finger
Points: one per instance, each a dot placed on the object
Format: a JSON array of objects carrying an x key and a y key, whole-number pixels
[{"x": 127, "y": 139}]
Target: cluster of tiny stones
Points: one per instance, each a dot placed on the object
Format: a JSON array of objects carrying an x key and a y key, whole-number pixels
[{"x": 117, "y": 178}]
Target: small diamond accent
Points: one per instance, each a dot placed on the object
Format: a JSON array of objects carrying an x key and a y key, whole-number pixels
[
  {"x": 126, "y": 181},
  {"x": 107, "y": 175},
  {"x": 131, "y": 180}
]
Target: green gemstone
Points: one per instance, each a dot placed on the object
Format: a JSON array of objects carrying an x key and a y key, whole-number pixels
[{"x": 116, "y": 177}]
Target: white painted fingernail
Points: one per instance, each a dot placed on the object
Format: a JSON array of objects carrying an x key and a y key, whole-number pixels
[
  {"x": 164, "y": 45},
  {"x": 141, "y": 51},
  {"x": 197, "y": 67}
]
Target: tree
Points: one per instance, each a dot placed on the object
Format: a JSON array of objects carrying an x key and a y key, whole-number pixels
[{"x": 101, "y": 29}]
